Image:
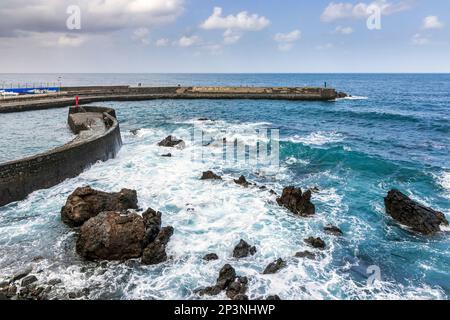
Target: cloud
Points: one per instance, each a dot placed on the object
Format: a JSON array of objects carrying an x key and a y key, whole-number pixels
[
  {"x": 96, "y": 15},
  {"x": 71, "y": 40},
  {"x": 344, "y": 11},
  {"x": 141, "y": 35},
  {"x": 187, "y": 41},
  {"x": 286, "y": 40},
  {"x": 432, "y": 22},
  {"x": 234, "y": 25},
  {"x": 343, "y": 30},
  {"x": 420, "y": 40},
  {"x": 162, "y": 42},
  {"x": 241, "y": 21}
]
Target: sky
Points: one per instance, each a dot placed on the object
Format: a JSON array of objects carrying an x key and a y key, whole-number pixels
[{"x": 229, "y": 36}]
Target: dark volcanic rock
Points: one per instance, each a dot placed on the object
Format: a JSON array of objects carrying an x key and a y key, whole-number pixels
[
  {"x": 274, "y": 297},
  {"x": 85, "y": 203},
  {"x": 28, "y": 280},
  {"x": 333, "y": 230},
  {"x": 134, "y": 132},
  {"x": 210, "y": 257},
  {"x": 275, "y": 266},
  {"x": 209, "y": 175},
  {"x": 242, "y": 181},
  {"x": 155, "y": 252},
  {"x": 112, "y": 236},
  {"x": 227, "y": 275},
  {"x": 315, "y": 242},
  {"x": 21, "y": 274},
  {"x": 152, "y": 223},
  {"x": 412, "y": 214},
  {"x": 297, "y": 202},
  {"x": 167, "y": 155},
  {"x": 306, "y": 254},
  {"x": 237, "y": 289},
  {"x": 243, "y": 249},
  {"x": 171, "y": 141}
]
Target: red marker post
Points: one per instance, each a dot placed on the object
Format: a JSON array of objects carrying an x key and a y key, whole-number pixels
[{"x": 76, "y": 101}]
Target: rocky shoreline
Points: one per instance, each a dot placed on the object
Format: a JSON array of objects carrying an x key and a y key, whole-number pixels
[{"x": 111, "y": 227}]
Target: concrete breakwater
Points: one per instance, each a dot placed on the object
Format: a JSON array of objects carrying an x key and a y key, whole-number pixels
[
  {"x": 125, "y": 93},
  {"x": 98, "y": 138}
]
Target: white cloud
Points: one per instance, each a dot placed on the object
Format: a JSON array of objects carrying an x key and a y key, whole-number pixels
[
  {"x": 162, "y": 42},
  {"x": 343, "y": 30},
  {"x": 71, "y": 40},
  {"x": 241, "y": 21},
  {"x": 344, "y": 10},
  {"x": 187, "y": 41},
  {"x": 432, "y": 22},
  {"x": 286, "y": 40},
  {"x": 141, "y": 35},
  {"x": 420, "y": 40},
  {"x": 234, "y": 25}
]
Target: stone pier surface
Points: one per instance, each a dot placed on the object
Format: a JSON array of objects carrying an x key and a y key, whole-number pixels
[
  {"x": 98, "y": 138},
  {"x": 126, "y": 93}
]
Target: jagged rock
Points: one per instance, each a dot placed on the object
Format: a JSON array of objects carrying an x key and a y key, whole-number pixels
[
  {"x": 237, "y": 288},
  {"x": 227, "y": 275},
  {"x": 240, "y": 297},
  {"x": 274, "y": 297},
  {"x": 21, "y": 274},
  {"x": 85, "y": 203},
  {"x": 134, "y": 131},
  {"x": 315, "y": 242},
  {"x": 413, "y": 214},
  {"x": 333, "y": 230},
  {"x": 112, "y": 236},
  {"x": 306, "y": 254},
  {"x": 297, "y": 202},
  {"x": 210, "y": 257},
  {"x": 28, "y": 280},
  {"x": 203, "y": 119},
  {"x": 155, "y": 252},
  {"x": 242, "y": 181},
  {"x": 243, "y": 249},
  {"x": 167, "y": 155},
  {"x": 171, "y": 142},
  {"x": 152, "y": 223},
  {"x": 275, "y": 266},
  {"x": 54, "y": 282},
  {"x": 209, "y": 175}
]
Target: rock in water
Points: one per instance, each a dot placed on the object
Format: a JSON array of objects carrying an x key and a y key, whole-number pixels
[
  {"x": 209, "y": 175},
  {"x": 275, "y": 266},
  {"x": 155, "y": 252},
  {"x": 227, "y": 275},
  {"x": 171, "y": 142},
  {"x": 242, "y": 182},
  {"x": 236, "y": 290},
  {"x": 297, "y": 202},
  {"x": 85, "y": 203},
  {"x": 152, "y": 223},
  {"x": 211, "y": 257},
  {"x": 112, "y": 236},
  {"x": 306, "y": 254},
  {"x": 333, "y": 230},
  {"x": 315, "y": 242},
  {"x": 243, "y": 249},
  {"x": 412, "y": 214}
]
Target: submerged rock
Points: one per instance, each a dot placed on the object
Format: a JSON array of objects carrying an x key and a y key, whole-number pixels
[
  {"x": 242, "y": 181},
  {"x": 211, "y": 257},
  {"x": 243, "y": 249},
  {"x": 274, "y": 297},
  {"x": 333, "y": 230},
  {"x": 155, "y": 252},
  {"x": 134, "y": 132},
  {"x": 236, "y": 290},
  {"x": 209, "y": 175},
  {"x": 315, "y": 242},
  {"x": 297, "y": 202},
  {"x": 306, "y": 254},
  {"x": 413, "y": 214},
  {"x": 85, "y": 203},
  {"x": 167, "y": 155},
  {"x": 275, "y": 266},
  {"x": 171, "y": 142},
  {"x": 112, "y": 236},
  {"x": 28, "y": 280}
]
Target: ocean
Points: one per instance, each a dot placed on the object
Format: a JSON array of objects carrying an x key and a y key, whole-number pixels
[{"x": 394, "y": 132}]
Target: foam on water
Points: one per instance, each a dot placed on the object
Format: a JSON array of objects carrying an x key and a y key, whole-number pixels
[{"x": 318, "y": 138}]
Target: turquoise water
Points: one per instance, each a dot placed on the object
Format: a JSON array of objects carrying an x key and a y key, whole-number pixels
[{"x": 394, "y": 132}]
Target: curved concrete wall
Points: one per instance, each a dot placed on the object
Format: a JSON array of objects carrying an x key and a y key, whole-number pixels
[{"x": 21, "y": 177}]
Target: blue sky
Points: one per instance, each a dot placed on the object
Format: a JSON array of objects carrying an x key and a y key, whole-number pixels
[{"x": 225, "y": 36}]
